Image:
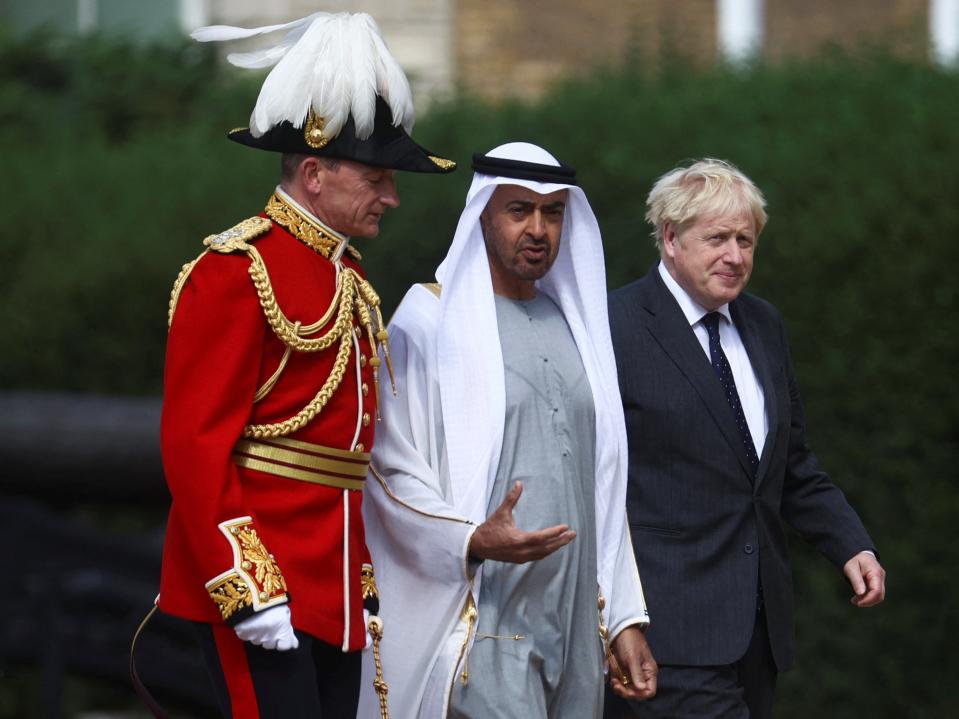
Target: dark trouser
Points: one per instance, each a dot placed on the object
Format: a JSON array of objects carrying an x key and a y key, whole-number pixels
[
  {"x": 316, "y": 680},
  {"x": 743, "y": 690}
]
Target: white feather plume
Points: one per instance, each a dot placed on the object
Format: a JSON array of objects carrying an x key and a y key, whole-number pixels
[
  {"x": 362, "y": 68},
  {"x": 392, "y": 84},
  {"x": 220, "y": 33},
  {"x": 334, "y": 63}
]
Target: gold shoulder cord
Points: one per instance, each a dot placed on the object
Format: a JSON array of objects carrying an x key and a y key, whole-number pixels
[
  {"x": 178, "y": 287},
  {"x": 353, "y": 299}
]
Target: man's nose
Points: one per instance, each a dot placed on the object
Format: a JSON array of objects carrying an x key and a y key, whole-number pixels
[
  {"x": 389, "y": 196},
  {"x": 734, "y": 253},
  {"x": 537, "y": 224}
]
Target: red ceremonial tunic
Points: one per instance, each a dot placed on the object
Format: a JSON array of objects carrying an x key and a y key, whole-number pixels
[{"x": 220, "y": 351}]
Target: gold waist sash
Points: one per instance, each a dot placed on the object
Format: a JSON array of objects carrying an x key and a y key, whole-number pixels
[{"x": 307, "y": 462}]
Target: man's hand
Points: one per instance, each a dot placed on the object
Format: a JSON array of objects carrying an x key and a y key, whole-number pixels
[
  {"x": 634, "y": 660},
  {"x": 270, "y": 629},
  {"x": 498, "y": 538},
  {"x": 868, "y": 579}
]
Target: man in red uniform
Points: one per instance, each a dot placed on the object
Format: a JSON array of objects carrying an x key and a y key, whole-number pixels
[{"x": 272, "y": 377}]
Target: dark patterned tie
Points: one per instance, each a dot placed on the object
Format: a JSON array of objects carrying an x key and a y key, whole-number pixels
[{"x": 725, "y": 374}]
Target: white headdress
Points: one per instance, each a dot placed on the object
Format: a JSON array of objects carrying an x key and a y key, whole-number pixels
[{"x": 471, "y": 363}]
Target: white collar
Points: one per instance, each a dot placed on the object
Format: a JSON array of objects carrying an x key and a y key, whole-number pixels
[{"x": 693, "y": 311}]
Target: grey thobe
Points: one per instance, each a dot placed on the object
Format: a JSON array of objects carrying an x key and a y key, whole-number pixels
[{"x": 537, "y": 651}]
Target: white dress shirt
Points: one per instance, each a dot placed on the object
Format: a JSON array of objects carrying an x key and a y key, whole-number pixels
[{"x": 747, "y": 384}]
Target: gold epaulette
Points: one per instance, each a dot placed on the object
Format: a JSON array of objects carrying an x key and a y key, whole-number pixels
[{"x": 236, "y": 238}]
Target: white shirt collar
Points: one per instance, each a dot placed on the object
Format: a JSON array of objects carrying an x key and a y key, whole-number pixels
[{"x": 693, "y": 311}]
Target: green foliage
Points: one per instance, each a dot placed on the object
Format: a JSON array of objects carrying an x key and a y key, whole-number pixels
[{"x": 117, "y": 167}]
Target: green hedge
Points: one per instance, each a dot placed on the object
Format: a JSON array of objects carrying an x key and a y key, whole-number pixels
[{"x": 117, "y": 167}]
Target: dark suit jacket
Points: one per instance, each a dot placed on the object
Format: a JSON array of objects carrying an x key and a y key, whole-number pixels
[{"x": 702, "y": 530}]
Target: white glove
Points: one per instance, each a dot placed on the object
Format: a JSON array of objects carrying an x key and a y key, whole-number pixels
[{"x": 270, "y": 629}]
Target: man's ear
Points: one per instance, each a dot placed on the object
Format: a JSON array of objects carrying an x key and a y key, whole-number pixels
[
  {"x": 669, "y": 238},
  {"x": 311, "y": 172}
]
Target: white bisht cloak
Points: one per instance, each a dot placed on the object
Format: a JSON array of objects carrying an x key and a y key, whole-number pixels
[{"x": 437, "y": 450}]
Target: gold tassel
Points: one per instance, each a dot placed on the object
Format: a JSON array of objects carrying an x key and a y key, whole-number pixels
[
  {"x": 469, "y": 613},
  {"x": 375, "y": 628},
  {"x": 383, "y": 337}
]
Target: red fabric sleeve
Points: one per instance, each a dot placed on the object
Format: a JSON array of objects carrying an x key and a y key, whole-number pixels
[{"x": 212, "y": 368}]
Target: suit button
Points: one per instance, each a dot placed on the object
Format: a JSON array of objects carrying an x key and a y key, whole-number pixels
[
  {"x": 748, "y": 549},
  {"x": 362, "y": 360},
  {"x": 366, "y": 419},
  {"x": 366, "y": 389}
]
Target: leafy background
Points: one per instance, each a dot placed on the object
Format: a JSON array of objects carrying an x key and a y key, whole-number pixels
[{"x": 116, "y": 167}]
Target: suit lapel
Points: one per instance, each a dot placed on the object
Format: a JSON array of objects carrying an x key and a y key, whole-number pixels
[
  {"x": 670, "y": 328},
  {"x": 759, "y": 359}
]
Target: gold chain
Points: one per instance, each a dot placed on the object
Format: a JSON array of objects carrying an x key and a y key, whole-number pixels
[
  {"x": 308, "y": 413},
  {"x": 290, "y": 333}
]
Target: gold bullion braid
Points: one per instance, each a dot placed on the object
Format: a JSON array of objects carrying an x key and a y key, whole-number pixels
[
  {"x": 306, "y": 415},
  {"x": 178, "y": 287},
  {"x": 288, "y": 332}
]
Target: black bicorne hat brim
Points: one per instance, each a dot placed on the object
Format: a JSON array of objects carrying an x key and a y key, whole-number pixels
[{"x": 389, "y": 146}]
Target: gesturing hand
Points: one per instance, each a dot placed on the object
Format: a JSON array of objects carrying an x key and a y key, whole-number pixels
[{"x": 498, "y": 537}]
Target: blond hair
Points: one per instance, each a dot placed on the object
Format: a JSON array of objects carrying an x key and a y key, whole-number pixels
[{"x": 705, "y": 187}]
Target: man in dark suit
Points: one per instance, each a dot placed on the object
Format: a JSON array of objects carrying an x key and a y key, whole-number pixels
[{"x": 718, "y": 457}]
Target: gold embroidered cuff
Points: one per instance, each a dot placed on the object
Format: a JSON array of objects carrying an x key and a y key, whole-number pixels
[{"x": 254, "y": 582}]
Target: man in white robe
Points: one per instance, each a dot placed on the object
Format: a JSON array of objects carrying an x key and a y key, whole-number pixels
[{"x": 443, "y": 511}]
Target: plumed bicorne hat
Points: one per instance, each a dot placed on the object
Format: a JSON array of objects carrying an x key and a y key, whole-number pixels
[{"x": 334, "y": 91}]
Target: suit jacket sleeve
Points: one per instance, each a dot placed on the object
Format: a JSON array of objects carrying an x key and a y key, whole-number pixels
[{"x": 811, "y": 503}]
